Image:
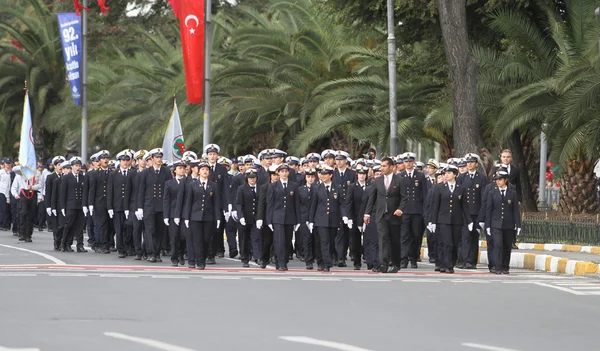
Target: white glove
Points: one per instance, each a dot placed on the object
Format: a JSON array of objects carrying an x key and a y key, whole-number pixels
[
  {"x": 187, "y": 223},
  {"x": 226, "y": 214},
  {"x": 234, "y": 215},
  {"x": 177, "y": 221},
  {"x": 482, "y": 225},
  {"x": 518, "y": 231},
  {"x": 432, "y": 227},
  {"x": 296, "y": 227},
  {"x": 49, "y": 212},
  {"x": 345, "y": 219},
  {"x": 259, "y": 224},
  {"x": 111, "y": 213},
  {"x": 271, "y": 227},
  {"x": 218, "y": 223},
  {"x": 166, "y": 220},
  {"x": 310, "y": 226},
  {"x": 350, "y": 223},
  {"x": 91, "y": 210},
  {"x": 243, "y": 221},
  {"x": 126, "y": 214},
  {"x": 85, "y": 211},
  {"x": 139, "y": 214},
  {"x": 54, "y": 213},
  {"x": 470, "y": 226},
  {"x": 63, "y": 212},
  {"x": 489, "y": 232}
]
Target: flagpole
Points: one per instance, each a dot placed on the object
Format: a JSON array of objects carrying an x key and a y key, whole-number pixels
[
  {"x": 84, "y": 112},
  {"x": 207, "y": 78}
]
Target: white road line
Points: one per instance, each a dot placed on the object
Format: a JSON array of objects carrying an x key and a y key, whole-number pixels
[
  {"x": 589, "y": 287},
  {"x": 486, "y": 347},
  {"x": 41, "y": 254},
  {"x": 561, "y": 288},
  {"x": 322, "y": 279},
  {"x": 420, "y": 281},
  {"x": 371, "y": 280},
  {"x": 222, "y": 278},
  {"x": 117, "y": 276},
  {"x": 573, "y": 284},
  {"x": 169, "y": 277},
  {"x": 17, "y": 275},
  {"x": 323, "y": 343},
  {"x": 19, "y": 349},
  {"x": 271, "y": 278},
  {"x": 68, "y": 275},
  {"x": 148, "y": 342}
]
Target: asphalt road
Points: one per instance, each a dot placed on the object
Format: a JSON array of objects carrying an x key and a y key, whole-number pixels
[{"x": 100, "y": 302}]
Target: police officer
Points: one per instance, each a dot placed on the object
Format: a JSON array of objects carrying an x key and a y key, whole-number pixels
[
  {"x": 246, "y": 204},
  {"x": 502, "y": 220},
  {"x": 72, "y": 200},
  {"x": 96, "y": 190},
  {"x": 150, "y": 204},
  {"x": 354, "y": 216},
  {"x": 118, "y": 199},
  {"x": 173, "y": 188}
]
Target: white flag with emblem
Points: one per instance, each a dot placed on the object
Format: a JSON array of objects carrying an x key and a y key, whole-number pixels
[
  {"x": 27, "y": 158},
  {"x": 173, "y": 146}
]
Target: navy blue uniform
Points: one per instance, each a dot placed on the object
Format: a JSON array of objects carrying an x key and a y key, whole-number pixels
[
  {"x": 202, "y": 209},
  {"x": 503, "y": 217},
  {"x": 246, "y": 205},
  {"x": 411, "y": 237},
  {"x": 283, "y": 213},
  {"x": 325, "y": 213},
  {"x": 474, "y": 185}
]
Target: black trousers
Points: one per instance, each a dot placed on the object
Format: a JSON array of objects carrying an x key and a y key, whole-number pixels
[
  {"x": 4, "y": 208},
  {"x": 298, "y": 246},
  {"x": 58, "y": 232},
  {"x": 14, "y": 215},
  {"x": 356, "y": 245},
  {"x": 267, "y": 243},
  {"x": 123, "y": 234},
  {"x": 138, "y": 228},
  {"x": 390, "y": 245},
  {"x": 470, "y": 243},
  {"x": 217, "y": 244},
  {"x": 26, "y": 211},
  {"x": 199, "y": 241},
  {"x": 503, "y": 240},
  {"x": 449, "y": 237},
  {"x": 490, "y": 249},
  {"x": 246, "y": 243},
  {"x": 282, "y": 238},
  {"x": 154, "y": 230},
  {"x": 41, "y": 214},
  {"x": 231, "y": 233},
  {"x": 74, "y": 221},
  {"x": 411, "y": 235},
  {"x": 101, "y": 228},
  {"x": 325, "y": 237},
  {"x": 431, "y": 244},
  {"x": 312, "y": 247},
  {"x": 177, "y": 240},
  {"x": 371, "y": 243},
  {"x": 89, "y": 222},
  {"x": 342, "y": 241}
]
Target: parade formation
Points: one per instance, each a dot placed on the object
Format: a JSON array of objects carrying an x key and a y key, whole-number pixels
[{"x": 322, "y": 208}]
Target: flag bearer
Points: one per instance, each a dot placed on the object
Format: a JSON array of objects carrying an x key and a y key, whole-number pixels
[{"x": 25, "y": 191}]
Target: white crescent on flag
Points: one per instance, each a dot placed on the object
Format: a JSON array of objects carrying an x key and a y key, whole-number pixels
[{"x": 189, "y": 17}]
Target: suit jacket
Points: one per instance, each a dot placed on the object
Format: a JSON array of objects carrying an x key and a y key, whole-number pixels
[
  {"x": 365, "y": 199},
  {"x": 119, "y": 191},
  {"x": 449, "y": 208},
  {"x": 428, "y": 205},
  {"x": 325, "y": 209},
  {"x": 353, "y": 203},
  {"x": 474, "y": 190},
  {"x": 384, "y": 202},
  {"x": 49, "y": 186},
  {"x": 71, "y": 192},
  {"x": 306, "y": 193},
  {"x": 283, "y": 207},
  {"x": 514, "y": 178},
  {"x": 415, "y": 189},
  {"x": 97, "y": 188},
  {"x": 152, "y": 185},
  {"x": 172, "y": 190},
  {"x": 502, "y": 213},
  {"x": 263, "y": 176},
  {"x": 246, "y": 203},
  {"x": 201, "y": 204},
  {"x": 345, "y": 181}
]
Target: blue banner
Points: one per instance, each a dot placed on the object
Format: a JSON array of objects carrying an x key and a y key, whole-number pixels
[{"x": 69, "y": 25}]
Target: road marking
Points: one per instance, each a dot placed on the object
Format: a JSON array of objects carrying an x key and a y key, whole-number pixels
[
  {"x": 561, "y": 288},
  {"x": 148, "y": 342},
  {"x": 18, "y": 274},
  {"x": 324, "y": 343},
  {"x": 589, "y": 287},
  {"x": 221, "y": 278},
  {"x": 41, "y": 254},
  {"x": 68, "y": 275},
  {"x": 271, "y": 278},
  {"x": 486, "y": 347},
  {"x": 169, "y": 276},
  {"x": 17, "y": 349},
  {"x": 322, "y": 279},
  {"x": 371, "y": 280}
]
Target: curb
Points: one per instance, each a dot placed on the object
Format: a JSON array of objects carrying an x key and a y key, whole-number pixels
[
  {"x": 553, "y": 247},
  {"x": 541, "y": 262}
]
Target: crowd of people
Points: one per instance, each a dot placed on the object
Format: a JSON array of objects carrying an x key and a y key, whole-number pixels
[{"x": 323, "y": 208}]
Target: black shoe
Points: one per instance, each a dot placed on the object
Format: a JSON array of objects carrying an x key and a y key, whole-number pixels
[
  {"x": 113, "y": 249},
  {"x": 245, "y": 264},
  {"x": 28, "y": 240},
  {"x": 470, "y": 266},
  {"x": 285, "y": 267},
  {"x": 145, "y": 257},
  {"x": 167, "y": 252},
  {"x": 21, "y": 238},
  {"x": 460, "y": 266},
  {"x": 138, "y": 257},
  {"x": 263, "y": 265},
  {"x": 357, "y": 267},
  {"x": 151, "y": 259},
  {"x": 281, "y": 269},
  {"x": 383, "y": 268},
  {"x": 200, "y": 266},
  {"x": 309, "y": 267},
  {"x": 233, "y": 254},
  {"x": 105, "y": 251},
  {"x": 325, "y": 269},
  {"x": 505, "y": 271},
  {"x": 211, "y": 260},
  {"x": 69, "y": 249},
  {"x": 393, "y": 269},
  {"x": 419, "y": 260},
  {"x": 404, "y": 264},
  {"x": 342, "y": 263},
  {"x": 158, "y": 259},
  {"x": 175, "y": 263},
  {"x": 375, "y": 270},
  {"x": 369, "y": 266},
  {"x": 320, "y": 268},
  {"x": 437, "y": 268},
  {"x": 81, "y": 249},
  {"x": 122, "y": 255},
  {"x": 431, "y": 260},
  {"x": 220, "y": 254},
  {"x": 515, "y": 247},
  {"x": 442, "y": 270},
  {"x": 414, "y": 265},
  {"x": 191, "y": 265},
  {"x": 181, "y": 261},
  {"x": 450, "y": 271}
]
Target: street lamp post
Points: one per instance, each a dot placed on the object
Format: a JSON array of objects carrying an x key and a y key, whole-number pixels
[
  {"x": 392, "y": 78},
  {"x": 597, "y": 13}
]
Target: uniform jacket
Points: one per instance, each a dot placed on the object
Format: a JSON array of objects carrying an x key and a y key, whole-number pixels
[
  {"x": 49, "y": 188},
  {"x": 71, "y": 192},
  {"x": 325, "y": 209},
  {"x": 262, "y": 202},
  {"x": 283, "y": 207},
  {"x": 502, "y": 213},
  {"x": 55, "y": 203},
  {"x": 345, "y": 181},
  {"x": 133, "y": 179},
  {"x": 152, "y": 186},
  {"x": 383, "y": 203},
  {"x": 173, "y": 188},
  {"x": 353, "y": 203},
  {"x": 474, "y": 188},
  {"x": 246, "y": 203},
  {"x": 306, "y": 192},
  {"x": 97, "y": 189},
  {"x": 118, "y": 196},
  {"x": 449, "y": 208},
  {"x": 484, "y": 197},
  {"x": 201, "y": 204},
  {"x": 415, "y": 189},
  {"x": 218, "y": 176}
]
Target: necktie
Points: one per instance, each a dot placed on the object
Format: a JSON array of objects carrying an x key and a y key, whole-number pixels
[
  {"x": 76, "y": 178},
  {"x": 212, "y": 168},
  {"x": 194, "y": 179},
  {"x": 472, "y": 176},
  {"x": 125, "y": 173},
  {"x": 387, "y": 182},
  {"x": 327, "y": 187},
  {"x": 253, "y": 189},
  {"x": 342, "y": 174},
  {"x": 202, "y": 185},
  {"x": 284, "y": 187},
  {"x": 502, "y": 193},
  {"x": 410, "y": 175},
  {"x": 451, "y": 188},
  {"x": 158, "y": 171}
]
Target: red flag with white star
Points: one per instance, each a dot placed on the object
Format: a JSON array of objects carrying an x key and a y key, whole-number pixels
[{"x": 191, "y": 26}]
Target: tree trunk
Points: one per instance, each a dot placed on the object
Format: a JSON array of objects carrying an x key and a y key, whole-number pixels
[
  {"x": 578, "y": 192},
  {"x": 463, "y": 75},
  {"x": 528, "y": 201}
]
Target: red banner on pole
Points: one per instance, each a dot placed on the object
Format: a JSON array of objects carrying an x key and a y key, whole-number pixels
[{"x": 191, "y": 26}]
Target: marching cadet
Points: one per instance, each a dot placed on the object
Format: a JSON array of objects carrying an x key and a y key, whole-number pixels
[
  {"x": 353, "y": 217},
  {"x": 328, "y": 157},
  {"x": 311, "y": 246},
  {"x": 56, "y": 161},
  {"x": 89, "y": 221},
  {"x": 245, "y": 163},
  {"x": 449, "y": 213},
  {"x": 118, "y": 199},
  {"x": 283, "y": 214},
  {"x": 72, "y": 200},
  {"x": 193, "y": 177},
  {"x": 343, "y": 176},
  {"x": 173, "y": 188},
  {"x": 25, "y": 191},
  {"x": 431, "y": 172},
  {"x": 230, "y": 225},
  {"x": 266, "y": 231},
  {"x": 96, "y": 189},
  {"x": 414, "y": 186},
  {"x": 134, "y": 183},
  {"x": 462, "y": 165},
  {"x": 265, "y": 161},
  {"x": 200, "y": 212},
  {"x": 399, "y": 166},
  {"x": 218, "y": 174},
  {"x": 502, "y": 220},
  {"x": 63, "y": 169},
  {"x": 474, "y": 183},
  {"x": 246, "y": 204},
  {"x": 370, "y": 235},
  {"x": 150, "y": 204},
  {"x": 313, "y": 160},
  {"x": 432, "y": 246},
  {"x": 325, "y": 214}
]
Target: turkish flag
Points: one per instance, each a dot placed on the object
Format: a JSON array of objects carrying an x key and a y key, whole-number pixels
[{"x": 191, "y": 26}]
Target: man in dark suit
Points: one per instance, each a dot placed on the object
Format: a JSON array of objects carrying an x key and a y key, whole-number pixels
[
  {"x": 514, "y": 178},
  {"x": 150, "y": 204},
  {"x": 343, "y": 176},
  {"x": 62, "y": 169},
  {"x": 414, "y": 185},
  {"x": 72, "y": 200},
  {"x": 385, "y": 203},
  {"x": 118, "y": 198},
  {"x": 134, "y": 177}
]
